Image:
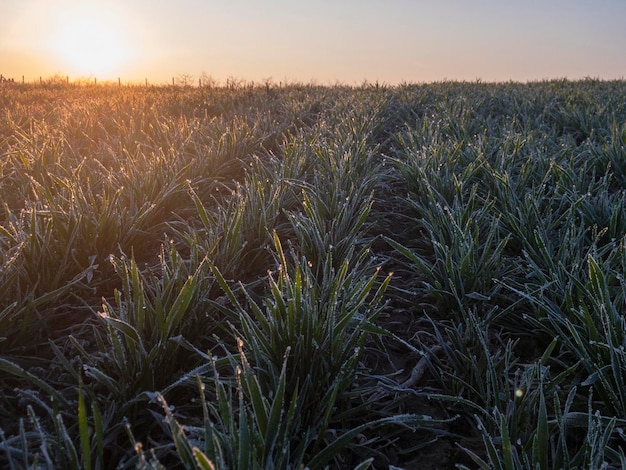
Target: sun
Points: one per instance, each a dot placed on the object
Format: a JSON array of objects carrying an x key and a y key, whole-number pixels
[{"x": 90, "y": 42}]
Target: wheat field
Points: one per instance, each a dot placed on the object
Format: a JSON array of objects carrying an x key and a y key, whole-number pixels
[{"x": 303, "y": 276}]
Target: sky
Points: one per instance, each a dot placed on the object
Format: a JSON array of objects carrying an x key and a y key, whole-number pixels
[{"x": 322, "y": 41}]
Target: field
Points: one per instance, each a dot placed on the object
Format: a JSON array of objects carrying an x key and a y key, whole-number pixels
[{"x": 417, "y": 276}]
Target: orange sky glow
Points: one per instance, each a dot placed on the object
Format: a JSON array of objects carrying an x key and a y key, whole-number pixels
[{"x": 325, "y": 41}]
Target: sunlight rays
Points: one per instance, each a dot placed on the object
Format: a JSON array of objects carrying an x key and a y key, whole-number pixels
[
  {"x": 91, "y": 40},
  {"x": 74, "y": 38},
  {"x": 90, "y": 44}
]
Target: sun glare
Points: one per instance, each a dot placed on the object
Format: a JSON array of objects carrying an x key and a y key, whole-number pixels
[{"x": 90, "y": 43}]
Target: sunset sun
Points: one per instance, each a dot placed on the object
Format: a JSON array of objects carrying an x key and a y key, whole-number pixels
[{"x": 90, "y": 43}]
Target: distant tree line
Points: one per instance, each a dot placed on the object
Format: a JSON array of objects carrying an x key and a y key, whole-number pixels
[{"x": 204, "y": 80}]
